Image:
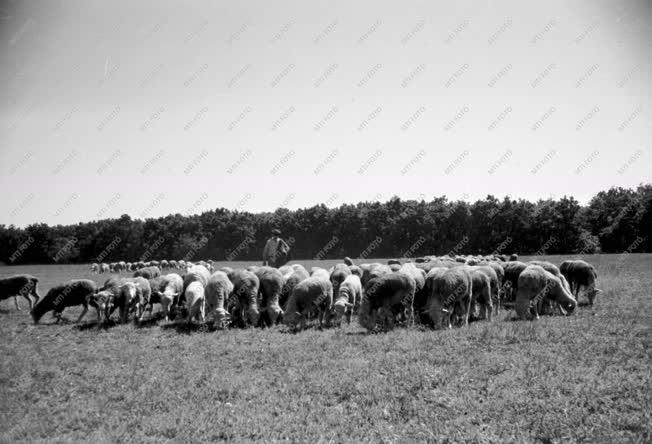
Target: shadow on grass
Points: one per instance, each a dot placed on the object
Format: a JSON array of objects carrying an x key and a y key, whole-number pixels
[
  {"x": 185, "y": 328},
  {"x": 95, "y": 325}
]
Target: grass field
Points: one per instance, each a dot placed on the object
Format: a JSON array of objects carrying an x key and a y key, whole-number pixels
[{"x": 581, "y": 378}]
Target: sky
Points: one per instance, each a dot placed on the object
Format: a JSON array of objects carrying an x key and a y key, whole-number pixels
[{"x": 151, "y": 108}]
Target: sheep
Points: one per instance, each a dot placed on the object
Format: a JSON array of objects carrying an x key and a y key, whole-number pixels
[
  {"x": 164, "y": 265},
  {"x": 195, "y": 301},
  {"x": 320, "y": 272},
  {"x": 69, "y": 294},
  {"x": 346, "y": 300},
  {"x": 312, "y": 294},
  {"x": 244, "y": 296},
  {"x": 166, "y": 291},
  {"x": 451, "y": 293},
  {"x": 348, "y": 261},
  {"x": 535, "y": 285},
  {"x": 482, "y": 292},
  {"x": 95, "y": 268},
  {"x": 387, "y": 297},
  {"x": 195, "y": 273},
  {"x": 181, "y": 264},
  {"x": 104, "y": 268},
  {"x": 218, "y": 289},
  {"x": 148, "y": 272},
  {"x": 125, "y": 297},
  {"x": 495, "y": 285},
  {"x": 512, "y": 270},
  {"x": 394, "y": 262},
  {"x": 271, "y": 286},
  {"x": 173, "y": 264},
  {"x": 338, "y": 274},
  {"x": 19, "y": 285},
  {"x": 144, "y": 296},
  {"x": 580, "y": 274},
  {"x": 289, "y": 282},
  {"x": 371, "y": 271}
]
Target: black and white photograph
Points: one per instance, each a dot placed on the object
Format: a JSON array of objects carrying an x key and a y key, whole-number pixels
[{"x": 325, "y": 222}]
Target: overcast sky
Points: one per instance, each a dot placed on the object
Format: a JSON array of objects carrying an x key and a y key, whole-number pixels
[{"x": 157, "y": 107}]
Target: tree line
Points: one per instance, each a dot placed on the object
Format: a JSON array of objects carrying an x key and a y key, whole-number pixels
[{"x": 614, "y": 221}]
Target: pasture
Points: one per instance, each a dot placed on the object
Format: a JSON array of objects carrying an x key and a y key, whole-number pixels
[{"x": 586, "y": 377}]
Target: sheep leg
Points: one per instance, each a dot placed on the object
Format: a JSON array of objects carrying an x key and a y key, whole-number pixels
[
  {"x": 16, "y": 302},
  {"x": 83, "y": 313}
]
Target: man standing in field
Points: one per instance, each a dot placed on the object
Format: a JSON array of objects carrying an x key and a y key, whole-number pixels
[{"x": 276, "y": 250}]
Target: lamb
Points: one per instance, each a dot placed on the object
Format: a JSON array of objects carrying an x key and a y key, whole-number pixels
[
  {"x": 451, "y": 293},
  {"x": 310, "y": 295},
  {"x": 218, "y": 289},
  {"x": 69, "y": 294},
  {"x": 244, "y": 297},
  {"x": 347, "y": 299},
  {"x": 535, "y": 285},
  {"x": 580, "y": 274},
  {"x": 386, "y": 299},
  {"x": 19, "y": 285},
  {"x": 271, "y": 286},
  {"x": 195, "y": 301}
]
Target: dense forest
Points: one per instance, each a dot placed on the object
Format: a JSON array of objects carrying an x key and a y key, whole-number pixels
[{"x": 614, "y": 221}]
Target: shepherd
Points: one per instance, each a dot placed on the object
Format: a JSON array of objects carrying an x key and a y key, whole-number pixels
[{"x": 276, "y": 252}]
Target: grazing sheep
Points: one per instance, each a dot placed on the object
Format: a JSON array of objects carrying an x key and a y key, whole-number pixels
[
  {"x": 371, "y": 271},
  {"x": 19, "y": 285},
  {"x": 164, "y": 265},
  {"x": 285, "y": 269},
  {"x": 310, "y": 295},
  {"x": 166, "y": 291},
  {"x": 393, "y": 262},
  {"x": 218, "y": 289},
  {"x": 451, "y": 293},
  {"x": 148, "y": 272},
  {"x": 534, "y": 286},
  {"x": 173, "y": 264},
  {"x": 125, "y": 297},
  {"x": 105, "y": 268},
  {"x": 271, "y": 286},
  {"x": 580, "y": 274},
  {"x": 420, "y": 291},
  {"x": 494, "y": 283},
  {"x": 69, "y": 294},
  {"x": 513, "y": 257},
  {"x": 482, "y": 292},
  {"x": 195, "y": 301},
  {"x": 347, "y": 299},
  {"x": 196, "y": 273},
  {"x": 289, "y": 282},
  {"x": 386, "y": 299},
  {"x": 144, "y": 296},
  {"x": 244, "y": 297},
  {"x": 181, "y": 264},
  {"x": 95, "y": 268},
  {"x": 512, "y": 271},
  {"x": 348, "y": 261},
  {"x": 338, "y": 274}
]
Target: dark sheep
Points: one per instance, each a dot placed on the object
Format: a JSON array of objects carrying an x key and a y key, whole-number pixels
[
  {"x": 580, "y": 274},
  {"x": 19, "y": 285},
  {"x": 243, "y": 301},
  {"x": 386, "y": 299},
  {"x": 68, "y": 294},
  {"x": 271, "y": 286}
]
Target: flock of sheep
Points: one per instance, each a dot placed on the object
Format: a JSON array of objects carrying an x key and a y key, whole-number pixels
[{"x": 435, "y": 291}]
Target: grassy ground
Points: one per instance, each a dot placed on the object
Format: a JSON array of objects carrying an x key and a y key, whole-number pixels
[{"x": 581, "y": 378}]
